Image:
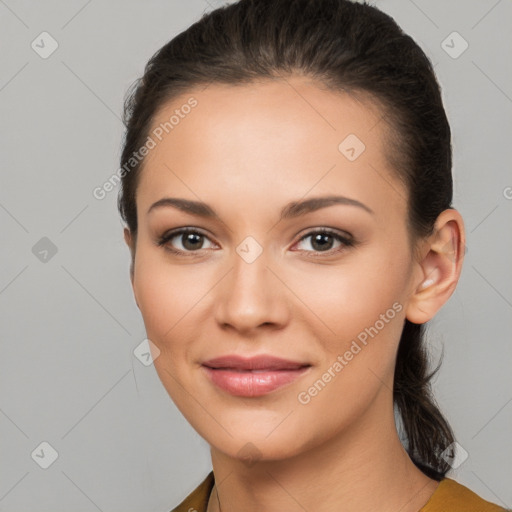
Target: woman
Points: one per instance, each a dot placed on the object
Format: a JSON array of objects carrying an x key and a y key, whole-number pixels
[{"x": 287, "y": 197}]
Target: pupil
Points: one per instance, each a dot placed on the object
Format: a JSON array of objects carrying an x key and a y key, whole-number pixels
[
  {"x": 320, "y": 239},
  {"x": 190, "y": 238}
]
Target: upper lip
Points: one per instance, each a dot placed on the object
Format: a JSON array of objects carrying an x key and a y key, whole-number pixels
[{"x": 261, "y": 362}]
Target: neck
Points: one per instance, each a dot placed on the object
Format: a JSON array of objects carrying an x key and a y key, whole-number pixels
[{"x": 361, "y": 469}]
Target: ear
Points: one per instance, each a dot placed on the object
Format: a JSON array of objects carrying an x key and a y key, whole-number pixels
[
  {"x": 130, "y": 242},
  {"x": 439, "y": 269}
]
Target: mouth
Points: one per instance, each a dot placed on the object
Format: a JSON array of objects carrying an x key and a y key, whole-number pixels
[{"x": 252, "y": 377}]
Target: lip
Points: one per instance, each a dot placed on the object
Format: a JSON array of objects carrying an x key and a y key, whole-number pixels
[{"x": 254, "y": 376}]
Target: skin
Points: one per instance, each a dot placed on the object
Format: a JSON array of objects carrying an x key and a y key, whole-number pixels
[{"x": 247, "y": 151}]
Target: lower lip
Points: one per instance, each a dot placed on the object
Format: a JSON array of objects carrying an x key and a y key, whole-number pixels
[{"x": 251, "y": 384}]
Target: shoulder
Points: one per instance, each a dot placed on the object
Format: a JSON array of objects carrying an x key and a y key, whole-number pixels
[
  {"x": 197, "y": 500},
  {"x": 450, "y": 496}
]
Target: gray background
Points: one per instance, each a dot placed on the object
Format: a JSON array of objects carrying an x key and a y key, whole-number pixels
[{"x": 69, "y": 323}]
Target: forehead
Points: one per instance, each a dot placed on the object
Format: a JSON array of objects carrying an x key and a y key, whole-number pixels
[{"x": 271, "y": 140}]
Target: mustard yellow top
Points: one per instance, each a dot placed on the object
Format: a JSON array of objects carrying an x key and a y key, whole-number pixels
[{"x": 450, "y": 496}]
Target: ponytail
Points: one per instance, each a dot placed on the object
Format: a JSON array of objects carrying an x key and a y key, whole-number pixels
[{"x": 427, "y": 432}]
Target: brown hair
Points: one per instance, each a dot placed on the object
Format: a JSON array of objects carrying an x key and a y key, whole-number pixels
[{"x": 345, "y": 46}]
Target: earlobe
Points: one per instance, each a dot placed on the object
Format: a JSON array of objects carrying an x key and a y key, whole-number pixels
[{"x": 440, "y": 268}]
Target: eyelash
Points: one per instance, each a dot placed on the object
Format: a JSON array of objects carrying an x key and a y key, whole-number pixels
[{"x": 345, "y": 242}]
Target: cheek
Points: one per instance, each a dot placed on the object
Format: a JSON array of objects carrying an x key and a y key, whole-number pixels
[
  {"x": 365, "y": 311},
  {"x": 361, "y": 304},
  {"x": 166, "y": 295},
  {"x": 353, "y": 296}
]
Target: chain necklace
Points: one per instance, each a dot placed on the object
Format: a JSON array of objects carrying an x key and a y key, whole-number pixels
[{"x": 218, "y": 501}]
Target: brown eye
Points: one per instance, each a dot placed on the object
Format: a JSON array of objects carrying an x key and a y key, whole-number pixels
[
  {"x": 324, "y": 240},
  {"x": 183, "y": 241},
  {"x": 192, "y": 241}
]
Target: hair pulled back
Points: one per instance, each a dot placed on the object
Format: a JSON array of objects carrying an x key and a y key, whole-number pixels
[{"x": 348, "y": 47}]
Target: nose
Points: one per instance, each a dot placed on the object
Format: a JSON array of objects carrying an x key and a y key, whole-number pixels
[{"x": 252, "y": 297}]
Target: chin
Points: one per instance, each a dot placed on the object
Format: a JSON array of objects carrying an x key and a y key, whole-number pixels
[
  {"x": 251, "y": 450},
  {"x": 255, "y": 440}
]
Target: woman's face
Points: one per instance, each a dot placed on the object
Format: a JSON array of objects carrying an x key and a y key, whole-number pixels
[{"x": 252, "y": 282}]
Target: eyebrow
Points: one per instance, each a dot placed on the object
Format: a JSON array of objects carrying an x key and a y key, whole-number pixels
[{"x": 291, "y": 210}]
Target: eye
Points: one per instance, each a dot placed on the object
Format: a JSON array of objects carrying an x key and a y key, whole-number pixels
[
  {"x": 324, "y": 241},
  {"x": 189, "y": 240}
]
